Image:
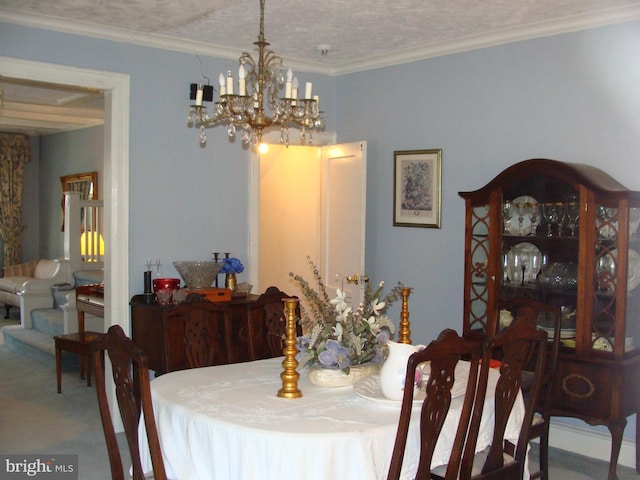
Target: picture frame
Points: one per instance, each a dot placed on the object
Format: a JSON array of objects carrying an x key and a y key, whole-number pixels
[{"x": 417, "y": 188}]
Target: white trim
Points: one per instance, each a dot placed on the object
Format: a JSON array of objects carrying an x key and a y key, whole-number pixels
[
  {"x": 590, "y": 443},
  {"x": 115, "y": 170},
  {"x": 574, "y": 23}
]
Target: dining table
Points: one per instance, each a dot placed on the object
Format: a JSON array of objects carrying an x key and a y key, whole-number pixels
[{"x": 227, "y": 423}]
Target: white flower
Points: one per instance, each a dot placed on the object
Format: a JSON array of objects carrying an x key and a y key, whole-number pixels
[
  {"x": 377, "y": 306},
  {"x": 337, "y": 330},
  {"x": 343, "y": 315},
  {"x": 340, "y": 301},
  {"x": 374, "y": 326}
]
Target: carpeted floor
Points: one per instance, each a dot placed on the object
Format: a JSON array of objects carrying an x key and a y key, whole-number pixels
[{"x": 35, "y": 419}]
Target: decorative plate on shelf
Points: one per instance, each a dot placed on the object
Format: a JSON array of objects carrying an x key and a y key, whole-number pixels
[
  {"x": 523, "y": 254},
  {"x": 512, "y": 226}
]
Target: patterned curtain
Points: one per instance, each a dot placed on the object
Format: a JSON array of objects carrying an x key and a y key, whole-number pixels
[{"x": 14, "y": 152}]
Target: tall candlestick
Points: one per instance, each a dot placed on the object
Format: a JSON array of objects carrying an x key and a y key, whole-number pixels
[
  {"x": 404, "y": 332},
  {"x": 290, "y": 376}
]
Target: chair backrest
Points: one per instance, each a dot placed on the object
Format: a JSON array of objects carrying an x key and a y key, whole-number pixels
[
  {"x": 131, "y": 377},
  {"x": 444, "y": 353},
  {"x": 516, "y": 346},
  {"x": 549, "y": 318},
  {"x": 201, "y": 325},
  {"x": 270, "y": 302}
]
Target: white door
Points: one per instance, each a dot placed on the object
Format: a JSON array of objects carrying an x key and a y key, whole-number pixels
[
  {"x": 343, "y": 212},
  {"x": 311, "y": 202}
]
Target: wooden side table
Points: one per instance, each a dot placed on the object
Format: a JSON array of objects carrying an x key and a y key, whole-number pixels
[{"x": 89, "y": 299}]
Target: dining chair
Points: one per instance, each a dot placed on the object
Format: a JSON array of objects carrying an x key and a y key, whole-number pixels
[
  {"x": 272, "y": 306},
  {"x": 516, "y": 346},
  {"x": 201, "y": 325},
  {"x": 133, "y": 393},
  {"x": 443, "y": 355},
  {"x": 550, "y": 316}
]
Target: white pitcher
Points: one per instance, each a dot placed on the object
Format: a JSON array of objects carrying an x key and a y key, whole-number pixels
[{"x": 394, "y": 369}]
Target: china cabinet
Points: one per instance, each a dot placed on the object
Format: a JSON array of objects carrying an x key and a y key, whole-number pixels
[{"x": 564, "y": 234}]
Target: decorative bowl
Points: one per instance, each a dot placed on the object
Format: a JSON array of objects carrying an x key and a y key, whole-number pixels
[{"x": 198, "y": 274}]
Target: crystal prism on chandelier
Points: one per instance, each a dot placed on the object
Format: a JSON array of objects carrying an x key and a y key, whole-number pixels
[{"x": 257, "y": 104}]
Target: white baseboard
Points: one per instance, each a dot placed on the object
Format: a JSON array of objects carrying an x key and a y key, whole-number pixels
[{"x": 590, "y": 443}]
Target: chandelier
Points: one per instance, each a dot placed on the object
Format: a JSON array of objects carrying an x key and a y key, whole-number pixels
[{"x": 257, "y": 104}]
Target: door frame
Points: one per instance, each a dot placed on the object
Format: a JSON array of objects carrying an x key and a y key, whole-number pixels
[
  {"x": 320, "y": 139},
  {"x": 115, "y": 166}
]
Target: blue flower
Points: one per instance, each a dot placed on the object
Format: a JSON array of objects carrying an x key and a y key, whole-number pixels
[
  {"x": 232, "y": 265},
  {"x": 334, "y": 355}
]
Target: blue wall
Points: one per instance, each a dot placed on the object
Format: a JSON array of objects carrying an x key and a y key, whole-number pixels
[
  {"x": 67, "y": 153},
  {"x": 573, "y": 97}
]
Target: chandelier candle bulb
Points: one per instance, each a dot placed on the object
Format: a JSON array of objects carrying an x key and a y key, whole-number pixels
[
  {"x": 199, "y": 95},
  {"x": 242, "y": 74},
  {"x": 307, "y": 90},
  {"x": 287, "y": 88},
  {"x": 229, "y": 83},
  {"x": 223, "y": 88},
  {"x": 294, "y": 88},
  {"x": 317, "y": 99}
]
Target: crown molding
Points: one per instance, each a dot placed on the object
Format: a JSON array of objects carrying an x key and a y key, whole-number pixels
[
  {"x": 498, "y": 37},
  {"x": 459, "y": 45}
]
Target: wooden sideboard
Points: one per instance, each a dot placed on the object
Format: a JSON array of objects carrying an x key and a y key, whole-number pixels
[{"x": 243, "y": 329}]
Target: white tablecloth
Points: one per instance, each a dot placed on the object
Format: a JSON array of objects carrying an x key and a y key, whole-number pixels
[{"x": 227, "y": 423}]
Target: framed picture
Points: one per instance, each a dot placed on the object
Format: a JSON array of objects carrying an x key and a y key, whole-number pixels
[{"x": 417, "y": 184}]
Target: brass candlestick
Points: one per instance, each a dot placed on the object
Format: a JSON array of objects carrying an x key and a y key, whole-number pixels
[
  {"x": 404, "y": 333},
  {"x": 290, "y": 375}
]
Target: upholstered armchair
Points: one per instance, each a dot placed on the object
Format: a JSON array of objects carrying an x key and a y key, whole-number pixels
[{"x": 28, "y": 285}]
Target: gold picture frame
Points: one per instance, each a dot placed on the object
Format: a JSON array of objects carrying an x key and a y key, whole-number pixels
[
  {"x": 417, "y": 185},
  {"x": 85, "y": 183}
]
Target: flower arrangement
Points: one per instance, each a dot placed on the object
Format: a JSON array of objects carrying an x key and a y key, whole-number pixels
[
  {"x": 232, "y": 265},
  {"x": 337, "y": 335}
]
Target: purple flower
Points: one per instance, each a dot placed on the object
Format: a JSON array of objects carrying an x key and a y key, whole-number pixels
[
  {"x": 334, "y": 355},
  {"x": 383, "y": 336}
]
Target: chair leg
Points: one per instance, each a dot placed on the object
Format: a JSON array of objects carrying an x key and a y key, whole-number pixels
[
  {"x": 59, "y": 368},
  {"x": 87, "y": 359},
  {"x": 544, "y": 451}
]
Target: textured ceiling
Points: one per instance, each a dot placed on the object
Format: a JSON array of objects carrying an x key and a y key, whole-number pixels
[
  {"x": 358, "y": 34},
  {"x": 362, "y": 33}
]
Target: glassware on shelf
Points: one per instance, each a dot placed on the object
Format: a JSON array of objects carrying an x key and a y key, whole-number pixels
[
  {"x": 508, "y": 211},
  {"x": 534, "y": 214},
  {"x": 572, "y": 213},
  {"x": 553, "y": 213},
  {"x": 522, "y": 208}
]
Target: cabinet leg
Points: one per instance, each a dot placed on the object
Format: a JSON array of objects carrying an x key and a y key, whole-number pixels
[{"x": 616, "y": 429}]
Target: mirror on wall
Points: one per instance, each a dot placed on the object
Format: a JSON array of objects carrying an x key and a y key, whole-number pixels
[{"x": 85, "y": 183}]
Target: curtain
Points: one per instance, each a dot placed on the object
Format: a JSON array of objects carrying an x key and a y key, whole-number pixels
[{"x": 14, "y": 152}]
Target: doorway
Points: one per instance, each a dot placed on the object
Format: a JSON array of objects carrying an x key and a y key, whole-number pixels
[
  {"x": 310, "y": 202},
  {"x": 116, "y": 166}
]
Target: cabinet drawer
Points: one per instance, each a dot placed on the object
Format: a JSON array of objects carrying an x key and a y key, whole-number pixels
[{"x": 584, "y": 388}]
